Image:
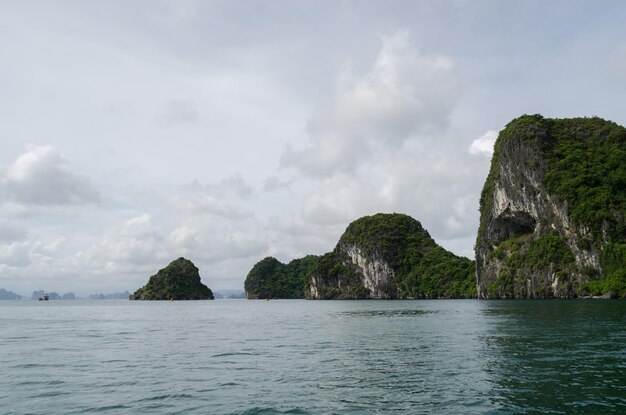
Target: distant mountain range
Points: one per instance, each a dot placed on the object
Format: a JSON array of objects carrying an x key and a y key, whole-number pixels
[{"x": 9, "y": 295}]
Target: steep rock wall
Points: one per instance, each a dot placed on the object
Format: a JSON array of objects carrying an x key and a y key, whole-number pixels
[
  {"x": 528, "y": 245},
  {"x": 388, "y": 256},
  {"x": 357, "y": 275}
]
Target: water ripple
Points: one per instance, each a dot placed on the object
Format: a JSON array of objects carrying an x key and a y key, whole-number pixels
[{"x": 307, "y": 357}]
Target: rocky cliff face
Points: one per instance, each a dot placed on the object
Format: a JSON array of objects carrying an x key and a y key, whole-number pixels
[
  {"x": 377, "y": 276},
  {"x": 349, "y": 273},
  {"x": 381, "y": 256},
  {"x": 390, "y": 256},
  {"x": 552, "y": 217}
]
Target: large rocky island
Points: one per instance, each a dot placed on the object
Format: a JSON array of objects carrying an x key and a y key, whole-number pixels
[
  {"x": 553, "y": 211},
  {"x": 379, "y": 256},
  {"x": 180, "y": 280}
]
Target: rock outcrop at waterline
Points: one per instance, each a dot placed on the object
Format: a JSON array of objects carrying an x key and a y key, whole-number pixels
[
  {"x": 180, "y": 280},
  {"x": 380, "y": 256},
  {"x": 552, "y": 210}
]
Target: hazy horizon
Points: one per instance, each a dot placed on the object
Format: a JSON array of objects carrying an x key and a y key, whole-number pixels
[
  {"x": 28, "y": 296},
  {"x": 138, "y": 132}
]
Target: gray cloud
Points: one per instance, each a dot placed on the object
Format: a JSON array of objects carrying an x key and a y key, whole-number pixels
[
  {"x": 234, "y": 185},
  {"x": 42, "y": 176},
  {"x": 11, "y": 232},
  {"x": 178, "y": 112},
  {"x": 274, "y": 184},
  {"x": 617, "y": 64}
]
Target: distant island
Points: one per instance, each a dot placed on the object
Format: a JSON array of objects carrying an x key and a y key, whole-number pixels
[
  {"x": 9, "y": 295},
  {"x": 552, "y": 225},
  {"x": 229, "y": 294},
  {"x": 112, "y": 296},
  {"x": 180, "y": 280},
  {"x": 52, "y": 295}
]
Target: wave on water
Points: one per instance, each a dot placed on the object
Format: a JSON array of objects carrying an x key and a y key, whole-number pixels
[
  {"x": 387, "y": 313},
  {"x": 271, "y": 411}
]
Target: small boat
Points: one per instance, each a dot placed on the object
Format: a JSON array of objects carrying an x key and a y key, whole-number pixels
[{"x": 44, "y": 298}]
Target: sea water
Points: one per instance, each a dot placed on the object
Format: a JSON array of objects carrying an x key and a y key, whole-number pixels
[{"x": 313, "y": 357}]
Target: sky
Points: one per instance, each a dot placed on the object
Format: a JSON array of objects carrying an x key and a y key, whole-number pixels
[{"x": 137, "y": 132}]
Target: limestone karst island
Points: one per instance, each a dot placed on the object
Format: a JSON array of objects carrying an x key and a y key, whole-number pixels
[
  {"x": 552, "y": 225},
  {"x": 180, "y": 280},
  {"x": 379, "y": 256}
]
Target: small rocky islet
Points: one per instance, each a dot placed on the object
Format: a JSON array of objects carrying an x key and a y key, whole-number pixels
[
  {"x": 180, "y": 280},
  {"x": 552, "y": 225}
]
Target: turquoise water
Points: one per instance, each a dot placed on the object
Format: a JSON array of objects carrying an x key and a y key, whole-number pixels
[{"x": 313, "y": 357}]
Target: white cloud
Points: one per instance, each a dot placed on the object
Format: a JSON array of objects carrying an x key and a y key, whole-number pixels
[
  {"x": 42, "y": 176},
  {"x": 184, "y": 239},
  {"x": 404, "y": 94},
  {"x": 203, "y": 204},
  {"x": 327, "y": 155},
  {"x": 15, "y": 254},
  {"x": 48, "y": 249},
  {"x": 341, "y": 199},
  {"x": 483, "y": 145},
  {"x": 222, "y": 199},
  {"x": 134, "y": 245},
  {"x": 209, "y": 244}
]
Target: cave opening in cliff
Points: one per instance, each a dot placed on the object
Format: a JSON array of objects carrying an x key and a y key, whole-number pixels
[{"x": 511, "y": 224}]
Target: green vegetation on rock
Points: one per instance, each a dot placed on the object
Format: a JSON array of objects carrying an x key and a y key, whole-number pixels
[
  {"x": 562, "y": 220},
  {"x": 422, "y": 269},
  {"x": 270, "y": 278},
  {"x": 587, "y": 168},
  {"x": 379, "y": 256},
  {"x": 180, "y": 280}
]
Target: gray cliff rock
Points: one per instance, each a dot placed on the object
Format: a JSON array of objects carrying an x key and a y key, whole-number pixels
[
  {"x": 387, "y": 256},
  {"x": 353, "y": 274},
  {"x": 552, "y": 216},
  {"x": 383, "y": 256}
]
